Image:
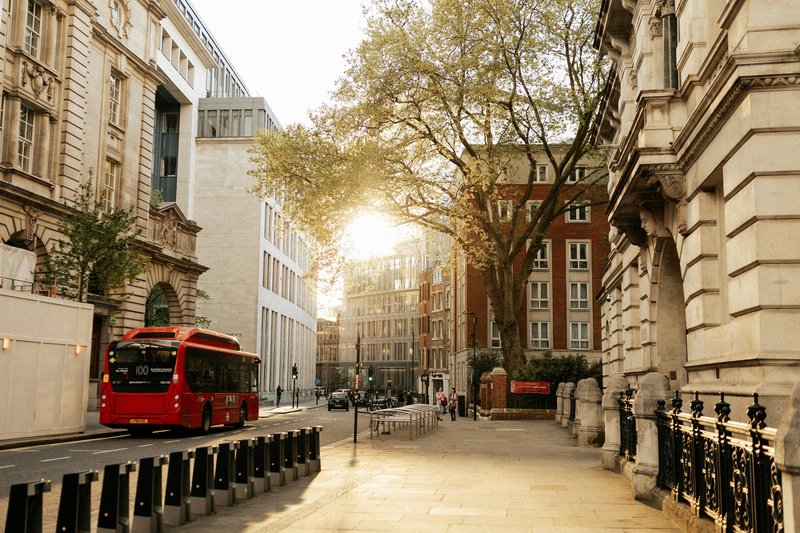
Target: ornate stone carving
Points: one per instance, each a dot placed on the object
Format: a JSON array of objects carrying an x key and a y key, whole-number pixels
[
  {"x": 120, "y": 17},
  {"x": 649, "y": 223},
  {"x": 38, "y": 79},
  {"x": 667, "y": 7},
  {"x": 656, "y": 28},
  {"x": 31, "y": 222},
  {"x": 632, "y": 228},
  {"x": 168, "y": 233}
]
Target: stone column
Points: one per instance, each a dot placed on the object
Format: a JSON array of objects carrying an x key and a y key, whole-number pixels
[
  {"x": 787, "y": 458},
  {"x": 652, "y": 387},
  {"x": 568, "y": 388},
  {"x": 576, "y": 422},
  {"x": 590, "y": 432},
  {"x": 559, "y": 402},
  {"x": 615, "y": 385},
  {"x": 499, "y": 388}
]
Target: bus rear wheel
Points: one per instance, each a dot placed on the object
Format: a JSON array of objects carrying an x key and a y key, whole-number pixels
[
  {"x": 205, "y": 421},
  {"x": 242, "y": 416}
]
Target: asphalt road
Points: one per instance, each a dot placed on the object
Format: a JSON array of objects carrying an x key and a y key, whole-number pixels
[{"x": 52, "y": 461}]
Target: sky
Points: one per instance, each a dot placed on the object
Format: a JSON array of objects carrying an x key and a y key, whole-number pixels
[{"x": 288, "y": 51}]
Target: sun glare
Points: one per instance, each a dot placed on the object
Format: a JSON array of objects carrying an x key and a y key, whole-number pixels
[{"x": 372, "y": 234}]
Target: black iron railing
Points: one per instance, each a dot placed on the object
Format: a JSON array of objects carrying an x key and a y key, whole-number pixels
[
  {"x": 572, "y": 405},
  {"x": 627, "y": 425},
  {"x": 724, "y": 470}
]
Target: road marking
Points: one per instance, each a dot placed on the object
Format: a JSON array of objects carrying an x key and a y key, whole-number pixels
[
  {"x": 110, "y": 451},
  {"x": 171, "y": 441},
  {"x": 54, "y": 459},
  {"x": 7, "y": 466},
  {"x": 145, "y": 445}
]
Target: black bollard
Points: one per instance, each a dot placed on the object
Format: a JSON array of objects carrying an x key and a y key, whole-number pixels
[
  {"x": 148, "y": 513},
  {"x": 115, "y": 500},
  {"x": 290, "y": 454},
  {"x": 225, "y": 475},
  {"x": 277, "y": 472},
  {"x": 303, "y": 434},
  {"x": 261, "y": 463},
  {"x": 314, "y": 458},
  {"x": 245, "y": 469},
  {"x": 24, "y": 513},
  {"x": 202, "y": 492},
  {"x": 178, "y": 500},
  {"x": 75, "y": 504}
]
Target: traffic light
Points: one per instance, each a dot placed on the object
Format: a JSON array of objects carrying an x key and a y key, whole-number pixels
[
  {"x": 294, "y": 371},
  {"x": 370, "y": 374}
]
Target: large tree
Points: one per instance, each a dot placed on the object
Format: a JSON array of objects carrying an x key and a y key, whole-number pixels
[{"x": 439, "y": 101}]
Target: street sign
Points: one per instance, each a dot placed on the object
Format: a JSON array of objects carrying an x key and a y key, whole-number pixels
[
  {"x": 317, "y": 382},
  {"x": 530, "y": 387}
]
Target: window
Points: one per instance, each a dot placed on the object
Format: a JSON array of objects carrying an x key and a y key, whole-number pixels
[
  {"x": 33, "y": 28},
  {"x": 577, "y": 174},
  {"x": 25, "y": 142},
  {"x": 541, "y": 174},
  {"x": 542, "y": 261},
  {"x": 578, "y": 213},
  {"x": 110, "y": 184},
  {"x": 532, "y": 208},
  {"x": 579, "y": 335},
  {"x": 437, "y": 275},
  {"x": 578, "y": 256},
  {"x": 540, "y": 295},
  {"x": 579, "y": 295},
  {"x": 496, "y": 335},
  {"x": 114, "y": 92},
  {"x": 540, "y": 335},
  {"x": 503, "y": 209}
]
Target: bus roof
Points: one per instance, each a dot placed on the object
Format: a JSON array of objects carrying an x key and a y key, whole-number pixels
[{"x": 194, "y": 335}]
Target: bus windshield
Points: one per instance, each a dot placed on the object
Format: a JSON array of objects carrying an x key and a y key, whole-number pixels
[{"x": 141, "y": 366}]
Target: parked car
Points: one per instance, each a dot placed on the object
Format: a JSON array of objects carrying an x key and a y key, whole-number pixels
[{"x": 338, "y": 400}]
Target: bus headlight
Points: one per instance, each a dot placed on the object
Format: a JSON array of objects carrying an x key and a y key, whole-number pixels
[
  {"x": 176, "y": 396},
  {"x": 176, "y": 405},
  {"x": 103, "y": 397},
  {"x": 103, "y": 404}
]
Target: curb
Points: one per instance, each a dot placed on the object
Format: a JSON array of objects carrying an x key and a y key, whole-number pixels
[{"x": 55, "y": 439}]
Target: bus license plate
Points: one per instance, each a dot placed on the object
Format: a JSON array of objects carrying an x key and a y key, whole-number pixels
[{"x": 138, "y": 421}]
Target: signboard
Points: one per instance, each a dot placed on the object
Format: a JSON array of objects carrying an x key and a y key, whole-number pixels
[
  {"x": 317, "y": 382},
  {"x": 530, "y": 387}
]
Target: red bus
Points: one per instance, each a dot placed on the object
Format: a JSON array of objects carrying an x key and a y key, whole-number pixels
[{"x": 170, "y": 377}]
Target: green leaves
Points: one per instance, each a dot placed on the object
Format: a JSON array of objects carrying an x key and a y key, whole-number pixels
[{"x": 98, "y": 251}]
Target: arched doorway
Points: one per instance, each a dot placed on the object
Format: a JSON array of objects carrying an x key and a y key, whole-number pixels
[
  {"x": 671, "y": 315},
  {"x": 161, "y": 308}
]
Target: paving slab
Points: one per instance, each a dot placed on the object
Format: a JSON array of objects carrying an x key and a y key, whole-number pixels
[{"x": 462, "y": 476}]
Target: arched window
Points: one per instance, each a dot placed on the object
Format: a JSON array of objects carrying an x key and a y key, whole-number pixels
[{"x": 156, "y": 309}]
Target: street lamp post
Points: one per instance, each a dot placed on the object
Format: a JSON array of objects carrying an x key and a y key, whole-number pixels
[{"x": 474, "y": 369}]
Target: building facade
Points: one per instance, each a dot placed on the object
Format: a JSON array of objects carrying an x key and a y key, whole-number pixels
[
  {"x": 380, "y": 315},
  {"x": 702, "y": 283},
  {"x": 435, "y": 324},
  {"x": 328, "y": 353}
]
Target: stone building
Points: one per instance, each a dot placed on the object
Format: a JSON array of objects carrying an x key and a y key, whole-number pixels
[
  {"x": 328, "y": 353},
  {"x": 700, "y": 135}
]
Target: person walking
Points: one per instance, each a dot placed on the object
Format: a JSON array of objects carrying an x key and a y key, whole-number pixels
[
  {"x": 441, "y": 403},
  {"x": 451, "y": 405},
  {"x": 278, "y": 392}
]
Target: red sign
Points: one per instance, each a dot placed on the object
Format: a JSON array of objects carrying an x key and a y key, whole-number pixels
[{"x": 530, "y": 387}]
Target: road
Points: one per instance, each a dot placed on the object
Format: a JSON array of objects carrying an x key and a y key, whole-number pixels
[{"x": 52, "y": 461}]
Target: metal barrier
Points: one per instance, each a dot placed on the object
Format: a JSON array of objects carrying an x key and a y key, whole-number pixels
[
  {"x": 178, "y": 500},
  {"x": 115, "y": 498},
  {"x": 724, "y": 470},
  {"x": 25, "y": 507},
  {"x": 261, "y": 463},
  {"x": 225, "y": 475},
  {"x": 290, "y": 454},
  {"x": 315, "y": 464},
  {"x": 627, "y": 425},
  {"x": 75, "y": 503},
  {"x": 201, "y": 495},
  {"x": 303, "y": 466},
  {"x": 277, "y": 471},
  {"x": 245, "y": 469},
  {"x": 148, "y": 512}
]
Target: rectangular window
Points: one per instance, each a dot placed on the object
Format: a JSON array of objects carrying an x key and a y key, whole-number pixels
[
  {"x": 578, "y": 213},
  {"x": 25, "y": 141},
  {"x": 540, "y": 335},
  {"x": 540, "y": 295},
  {"x": 579, "y": 295},
  {"x": 577, "y": 174},
  {"x": 542, "y": 260},
  {"x": 437, "y": 275},
  {"x": 578, "y": 256},
  {"x": 579, "y": 335},
  {"x": 110, "y": 184},
  {"x": 114, "y": 93},
  {"x": 33, "y": 28},
  {"x": 503, "y": 210},
  {"x": 532, "y": 208},
  {"x": 496, "y": 335},
  {"x": 541, "y": 174}
]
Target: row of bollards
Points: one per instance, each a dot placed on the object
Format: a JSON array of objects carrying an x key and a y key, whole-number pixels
[{"x": 198, "y": 481}]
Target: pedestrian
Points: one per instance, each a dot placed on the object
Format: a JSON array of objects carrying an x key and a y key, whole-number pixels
[
  {"x": 318, "y": 395},
  {"x": 452, "y": 404},
  {"x": 278, "y": 392},
  {"x": 441, "y": 403}
]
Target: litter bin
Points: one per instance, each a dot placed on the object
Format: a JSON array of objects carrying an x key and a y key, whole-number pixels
[{"x": 462, "y": 405}]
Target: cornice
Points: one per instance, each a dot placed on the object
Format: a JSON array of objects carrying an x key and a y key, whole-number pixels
[{"x": 103, "y": 35}]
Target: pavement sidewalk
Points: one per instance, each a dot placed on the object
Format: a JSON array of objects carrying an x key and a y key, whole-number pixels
[{"x": 462, "y": 476}]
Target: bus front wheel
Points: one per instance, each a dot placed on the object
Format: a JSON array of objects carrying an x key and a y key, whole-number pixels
[
  {"x": 242, "y": 416},
  {"x": 205, "y": 421}
]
